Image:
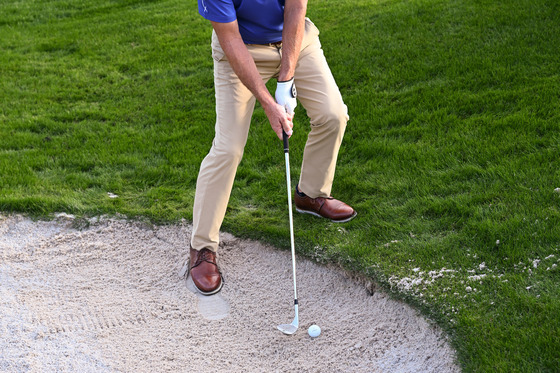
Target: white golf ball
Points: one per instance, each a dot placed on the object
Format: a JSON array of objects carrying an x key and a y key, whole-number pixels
[{"x": 314, "y": 331}]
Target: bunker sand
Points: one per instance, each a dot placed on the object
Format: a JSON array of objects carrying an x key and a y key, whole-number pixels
[{"x": 108, "y": 298}]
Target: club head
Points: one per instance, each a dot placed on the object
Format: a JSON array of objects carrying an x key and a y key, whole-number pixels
[{"x": 288, "y": 329}]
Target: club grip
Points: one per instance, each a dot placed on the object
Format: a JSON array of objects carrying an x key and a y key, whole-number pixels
[{"x": 285, "y": 139}]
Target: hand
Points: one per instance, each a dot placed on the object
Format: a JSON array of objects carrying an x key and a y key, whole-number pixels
[
  {"x": 286, "y": 95},
  {"x": 279, "y": 119}
]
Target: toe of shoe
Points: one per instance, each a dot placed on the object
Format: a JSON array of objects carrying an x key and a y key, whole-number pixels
[
  {"x": 207, "y": 282},
  {"x": 337, "y": 210}
]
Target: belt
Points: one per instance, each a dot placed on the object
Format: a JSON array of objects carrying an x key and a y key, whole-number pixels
[{"x": 277, "y": 44}]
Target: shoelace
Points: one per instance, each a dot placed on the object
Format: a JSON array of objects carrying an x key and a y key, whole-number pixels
[{"x": 205, "y": 255}]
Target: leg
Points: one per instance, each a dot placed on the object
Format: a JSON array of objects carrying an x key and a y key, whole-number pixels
[
  {"x": 234, "y": 108},
  {"x": 319, "y": 95}
]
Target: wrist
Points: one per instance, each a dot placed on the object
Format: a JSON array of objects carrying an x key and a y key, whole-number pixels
[
  {"x": 285, "y": 80},
  {"x": 268, "y": 103}
]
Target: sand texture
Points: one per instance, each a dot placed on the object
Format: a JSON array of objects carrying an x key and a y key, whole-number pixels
[{"x": 108, "y": 298}]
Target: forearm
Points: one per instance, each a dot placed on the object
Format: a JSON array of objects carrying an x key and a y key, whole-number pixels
[
  {"x": 292, "y": 36},
  {"x": 245, "y": 68},
  {"x": 243, "y": 64}
]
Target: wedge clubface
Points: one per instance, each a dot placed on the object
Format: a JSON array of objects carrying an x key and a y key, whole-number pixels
[{"x": 290, "y": 328}]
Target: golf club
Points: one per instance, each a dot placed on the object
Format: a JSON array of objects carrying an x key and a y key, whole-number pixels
[{"x": 290, "y": 328}]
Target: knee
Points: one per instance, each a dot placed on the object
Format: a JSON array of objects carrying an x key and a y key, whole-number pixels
[
  {"x": 227, "y": 154},
  {"x": 332, "y": 119}
]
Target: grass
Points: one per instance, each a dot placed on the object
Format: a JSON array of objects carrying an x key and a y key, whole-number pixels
[{"x": 450, "y": 156}]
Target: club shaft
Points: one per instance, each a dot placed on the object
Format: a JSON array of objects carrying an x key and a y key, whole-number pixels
[{"x": 287, "y": 156}]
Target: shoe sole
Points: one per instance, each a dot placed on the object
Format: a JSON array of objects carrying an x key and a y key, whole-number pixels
[
  {"x": 321, "y": 216},
  {"x": 210, "y": 292}
]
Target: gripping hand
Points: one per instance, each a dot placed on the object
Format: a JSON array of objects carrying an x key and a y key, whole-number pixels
[{"x": 286, "y": 95}]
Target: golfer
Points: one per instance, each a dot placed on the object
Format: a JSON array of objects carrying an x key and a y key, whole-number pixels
[{"x": 254, "y": 41}]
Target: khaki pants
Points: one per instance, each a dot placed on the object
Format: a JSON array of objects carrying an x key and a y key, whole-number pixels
[{"x": 317, "y": 93}]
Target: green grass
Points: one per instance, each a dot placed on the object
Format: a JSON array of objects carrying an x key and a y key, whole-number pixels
[{"x": 450, "y": 156}]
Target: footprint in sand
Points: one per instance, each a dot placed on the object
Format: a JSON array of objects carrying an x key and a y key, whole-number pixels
[{"x": 211, "y": 307}]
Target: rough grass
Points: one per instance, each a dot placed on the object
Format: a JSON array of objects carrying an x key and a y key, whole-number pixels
[{"x": 450, "y": 156}]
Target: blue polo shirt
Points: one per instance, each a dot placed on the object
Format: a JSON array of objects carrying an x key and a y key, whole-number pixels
[{"x": 260, "y": 21}]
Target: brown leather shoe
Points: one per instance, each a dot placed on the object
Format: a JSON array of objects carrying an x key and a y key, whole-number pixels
[
  {"x": 330, "y": 208},
  {"x": 204, "y": 271}
]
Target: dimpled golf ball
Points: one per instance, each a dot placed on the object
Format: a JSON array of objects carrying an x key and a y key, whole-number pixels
[{"x": 314, "y": 331}]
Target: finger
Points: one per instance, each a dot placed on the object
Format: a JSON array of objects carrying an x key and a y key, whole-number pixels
[
  {"x": 288, "y": 128},
  {"x": 290, "y": 116},
  {"x": 278, "y": 129}
]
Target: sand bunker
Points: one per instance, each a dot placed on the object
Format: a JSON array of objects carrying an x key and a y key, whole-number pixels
[{"x": 108, "y": 298}]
